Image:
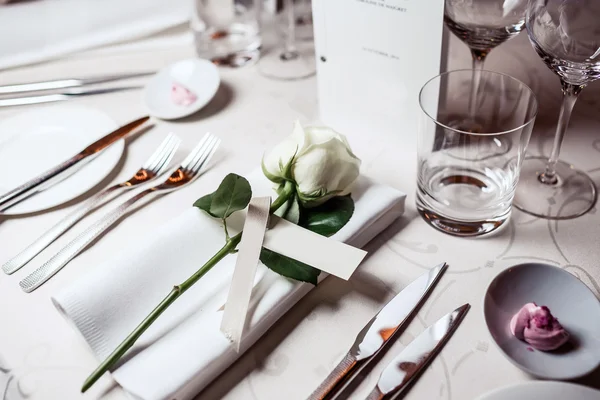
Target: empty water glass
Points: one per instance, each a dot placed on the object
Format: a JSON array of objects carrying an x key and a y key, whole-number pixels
[
  {"x": 224, "y": 28},
  {"x": 468, "y": 165}
]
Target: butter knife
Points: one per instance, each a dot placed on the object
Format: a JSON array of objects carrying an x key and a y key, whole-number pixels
[
  {"x": 373, "y": 337},
  {"x": 407, "y": 365},
  {"x": 66, "y": 168}
]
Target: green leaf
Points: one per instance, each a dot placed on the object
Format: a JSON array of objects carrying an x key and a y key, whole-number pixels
[
  {"x": 289, "y": 267},
  {"x": 234, "y": 194},
  {"x": 204, "y": 203},
  {"x": 329, "y": 217}
]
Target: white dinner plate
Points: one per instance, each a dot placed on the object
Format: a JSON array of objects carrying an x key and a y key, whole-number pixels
[
  {"x": 199, "y": 76},
  {"x": 34, "y": 141},
  {"x": 543, "y": 390}
]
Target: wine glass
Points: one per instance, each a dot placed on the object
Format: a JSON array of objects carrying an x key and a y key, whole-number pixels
[
  {"x": 566, "y": 35},
  {"x": 482, "y": 25},
  {"x": 291, "y": 62}
]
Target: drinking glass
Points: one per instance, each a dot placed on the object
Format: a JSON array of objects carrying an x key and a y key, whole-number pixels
[
  {"x": 291, "y": 62},
  {"x": 483, "y": 25},
  {"x": 226, "y": 28},
  {"x": 471, "y": 194},
  {"x": 566, "y": 35},
  {"x": 304, "y": 20}
]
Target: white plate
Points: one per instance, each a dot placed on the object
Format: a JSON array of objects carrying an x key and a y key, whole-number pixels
[
  {"x": 199, "y": 76},
  {"x": 543, "y": 390},
  {"x": 34, "y": 141}
]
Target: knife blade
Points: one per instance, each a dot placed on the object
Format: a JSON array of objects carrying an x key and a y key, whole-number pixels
[
  {"x": 66, "y": 94},
  {"x": 66, "y": 168},
  {"x": 374, "y": 336},
  {"x": 407, "y": 365},
  {"x": 67, "y": 83}
]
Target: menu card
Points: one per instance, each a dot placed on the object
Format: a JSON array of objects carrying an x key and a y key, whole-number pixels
[{"x": 373, "y": 57}]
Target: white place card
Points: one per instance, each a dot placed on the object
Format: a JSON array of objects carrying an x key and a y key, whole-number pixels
[
  {"x": 373, "y": 56},
  {"x": 328, "y": 255}
]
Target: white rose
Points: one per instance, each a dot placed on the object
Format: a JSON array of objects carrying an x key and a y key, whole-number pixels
[{"x": 317, "y": 159}]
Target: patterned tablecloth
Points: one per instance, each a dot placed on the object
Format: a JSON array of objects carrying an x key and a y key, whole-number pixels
[{"x": 49, "y": 360}]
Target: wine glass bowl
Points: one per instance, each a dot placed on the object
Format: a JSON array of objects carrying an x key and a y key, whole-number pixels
[
  {"x": 485, "y": 24},
  {"x": 566, "y": 35}
]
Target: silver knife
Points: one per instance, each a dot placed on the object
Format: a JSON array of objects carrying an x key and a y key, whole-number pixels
[
  {"x": 373, "y": 337},
  {"x": 67, "y": 83},
  {"x": 405, "y": 368},
  {"x": 66, "y": 168},
  {"x": 66, "y": 94}
]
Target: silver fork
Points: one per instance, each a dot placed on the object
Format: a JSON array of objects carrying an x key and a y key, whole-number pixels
[
  {"x": 153, "y": 167},
  {"x": 188, "y": 171}
]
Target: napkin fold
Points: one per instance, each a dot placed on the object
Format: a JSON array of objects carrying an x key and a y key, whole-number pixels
[
  {"x": 36, "y": 31},
  {"x": 184, "y": 350}
]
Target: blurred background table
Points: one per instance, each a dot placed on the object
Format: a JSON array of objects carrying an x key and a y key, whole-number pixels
[{"x": 252, "y": 113}]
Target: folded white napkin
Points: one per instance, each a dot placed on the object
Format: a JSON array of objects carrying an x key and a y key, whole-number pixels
[
  {"x": 184, "y": 350},
  {"x": 35, "y": 31}
]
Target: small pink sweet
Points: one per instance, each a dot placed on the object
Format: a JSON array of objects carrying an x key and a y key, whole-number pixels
[
  {"x": 538, "y": 327},
  {"x": 181, "y": 95}
]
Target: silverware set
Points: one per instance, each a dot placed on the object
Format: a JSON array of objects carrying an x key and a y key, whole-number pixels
[
  {"x": 380, "y": 332},
  {"x": 63, "y": 89},
  {"x": 156, "y": 165},
  {"x": 67, "y": 167}
]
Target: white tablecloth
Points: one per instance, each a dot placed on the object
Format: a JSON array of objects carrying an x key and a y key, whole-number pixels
[{"x": 252, "y": 113}]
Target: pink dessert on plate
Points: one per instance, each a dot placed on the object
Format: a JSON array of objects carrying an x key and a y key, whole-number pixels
[
  {"x": 181, "y": 95},
  {"x": 538, "y": 327}
]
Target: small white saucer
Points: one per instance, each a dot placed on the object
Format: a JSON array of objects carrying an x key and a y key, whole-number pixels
[
  {"x": 201, "y": 77},
  {"x": 542, "y": 391},
  {"x": 569, "y": 300},
  {"x": 34, "y": 141}
]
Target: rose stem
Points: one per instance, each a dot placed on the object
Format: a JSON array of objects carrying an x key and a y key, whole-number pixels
[{"x": 177, "y": 291}]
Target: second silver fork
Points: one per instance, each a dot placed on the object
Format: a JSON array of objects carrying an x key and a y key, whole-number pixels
[
  {"x": 153, "y": 167},
  {"x": 187, "y": 172}
]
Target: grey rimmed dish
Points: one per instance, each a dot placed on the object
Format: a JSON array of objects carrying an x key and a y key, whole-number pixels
[{"x": 570, "y": 301}]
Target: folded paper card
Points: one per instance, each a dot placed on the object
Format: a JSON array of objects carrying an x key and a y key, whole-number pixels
[
  {"x": 374, "y": 56},
  {"x": 185, "y": 349}
]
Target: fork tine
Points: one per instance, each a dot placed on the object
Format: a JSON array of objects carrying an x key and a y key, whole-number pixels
[
  {"x": 197, "y": 167},
  {"x": 200, "y": 154},
  {"x": 169, "y": 148},
  {"x": 158, "y": 152},
  {"x": 197, "y": 152},
  {"x": 168, "y": 155}
]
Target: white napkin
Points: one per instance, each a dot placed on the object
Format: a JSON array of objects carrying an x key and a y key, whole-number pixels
[
  {"x": 185, "y": 350},
  {"x": 35, "y": 31}
]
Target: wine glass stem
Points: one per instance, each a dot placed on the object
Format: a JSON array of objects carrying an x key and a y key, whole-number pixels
[
  {"x": 478, "y": 61},
  {"x": 570, "y": 94},
  {"x": 290, "y": 51}
]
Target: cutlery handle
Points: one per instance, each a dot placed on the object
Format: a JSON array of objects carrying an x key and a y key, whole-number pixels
[
  {"x": 18, "y": 261},
  {"x": 343, "y": 369},
  {"x": 62, "y": 258},
  {"x": 375, "y": 394},
  {"x": 38, "y": 183}
]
